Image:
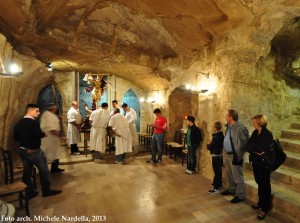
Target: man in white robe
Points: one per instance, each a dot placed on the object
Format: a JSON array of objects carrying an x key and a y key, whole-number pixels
[
  {"x": 123, "y": 139},
  {"x": 99, "y": 120},
  {"x": 115, "y": 105},
  {"x": 131, "y": 117},
  {"x": 74, "y": 123},
  {"x": 50, "y": 124}
]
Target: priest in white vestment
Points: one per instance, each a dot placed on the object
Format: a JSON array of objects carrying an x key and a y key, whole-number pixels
[
  {"x": 131, "y": 118},
  {"x": 50, "y": 124},
  {"x": 99, "y": 120},
  {"x": 74, "y": 123},
  {"x": 115, "y": 105},
  {"x": 123, "y": 136}
]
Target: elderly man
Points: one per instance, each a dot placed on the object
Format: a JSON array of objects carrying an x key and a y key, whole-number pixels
[
  {"x": 123, "y": 140},
  {"x": 74, "y": 123},
  {"x": 234, "y": 143},
  {"x": 131, "y": 117},
  {"x": 98, "y": 121},
  {"x": 50, "y": 124}
]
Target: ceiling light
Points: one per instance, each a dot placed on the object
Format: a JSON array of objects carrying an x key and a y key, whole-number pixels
[
  {"x": 14, "y": 69},
  {"x": 49, "y": 66},
  {"x": 150, "y": 100}
]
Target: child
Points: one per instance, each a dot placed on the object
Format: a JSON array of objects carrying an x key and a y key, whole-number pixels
[{"x": 215, "y": 148}]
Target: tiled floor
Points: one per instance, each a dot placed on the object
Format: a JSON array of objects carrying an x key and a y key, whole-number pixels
[{"x": 135, "y": 192}]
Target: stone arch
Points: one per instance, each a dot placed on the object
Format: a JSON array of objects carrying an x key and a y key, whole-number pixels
[
  {"x": 181, "y": 103},
  {"x": 132, "y": 100},
  {"x": 46, "y": 96}
]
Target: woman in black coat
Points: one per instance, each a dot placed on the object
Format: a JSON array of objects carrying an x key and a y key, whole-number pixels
[{"x": 258, "y": 144}]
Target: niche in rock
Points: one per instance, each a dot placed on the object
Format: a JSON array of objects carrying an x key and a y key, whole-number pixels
[{"x": 286, "y": 50}]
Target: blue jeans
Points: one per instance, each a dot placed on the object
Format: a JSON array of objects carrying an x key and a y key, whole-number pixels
[
  {"x": 192, "y": 161},
  {"x": 157, "y": 143},
  {"x": 37, "y": 158}
]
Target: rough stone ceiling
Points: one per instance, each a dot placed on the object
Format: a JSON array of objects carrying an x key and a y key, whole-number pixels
[{"x": 127, "y": 38}]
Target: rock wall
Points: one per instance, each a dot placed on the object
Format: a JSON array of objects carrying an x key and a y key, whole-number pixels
[
  {"x": 259, "y": 91},
  {"x": 241, "y": 76},
  {"x": 17, "y": 91},
  {"x": 65, "y": 84}
]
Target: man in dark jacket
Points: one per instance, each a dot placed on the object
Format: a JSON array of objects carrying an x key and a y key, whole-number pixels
[
  {"x": 193, "y": 139},
  {"x": 29, "y": 134}
]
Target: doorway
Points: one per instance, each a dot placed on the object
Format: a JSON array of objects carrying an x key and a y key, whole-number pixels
[
  {"x": 49, "y": 95},
  {"x": 132, "y": 100},
  {"x": 181, "y": 104}
]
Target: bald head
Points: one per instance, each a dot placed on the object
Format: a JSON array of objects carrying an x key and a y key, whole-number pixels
[{"x": 75, "y": 104}]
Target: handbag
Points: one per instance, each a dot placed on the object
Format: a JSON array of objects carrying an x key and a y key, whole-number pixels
[{"x": 275, "y": 157}]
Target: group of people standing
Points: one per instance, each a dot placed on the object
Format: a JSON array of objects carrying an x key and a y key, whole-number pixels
[
  {"x": 235, "y": 143},
  {"x": 37, "y": 139},
  {"x": 39, "y": 143},
  {"x": 124, "y": 130},
  {"x": 193, "y": 139}
]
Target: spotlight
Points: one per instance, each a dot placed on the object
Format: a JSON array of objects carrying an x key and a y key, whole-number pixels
[
  {"x": 203, "y": 90},
  {"x": 15, "y": 69},
  {"x": 150, "y": 100},
  {"x": 49, "y": 66}
]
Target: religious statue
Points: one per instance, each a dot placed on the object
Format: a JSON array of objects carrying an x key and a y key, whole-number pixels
[{"x": 98, "y": 87}]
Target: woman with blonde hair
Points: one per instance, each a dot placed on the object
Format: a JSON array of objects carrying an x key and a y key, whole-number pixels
[{"x": 258, "y": 144}]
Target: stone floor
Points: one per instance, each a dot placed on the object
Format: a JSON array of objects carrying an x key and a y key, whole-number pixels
[{"x": 134, "y": 192}]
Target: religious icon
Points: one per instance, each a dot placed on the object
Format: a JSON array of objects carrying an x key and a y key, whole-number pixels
[{"x": 97, "y": 88}]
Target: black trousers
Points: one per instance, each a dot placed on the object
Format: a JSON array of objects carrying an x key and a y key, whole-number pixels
[
  {"x": 217, "y": 162},
  {"x": 262, "y": 178},
  {"x": 74, "y": 148},
  {"x": 192, "y": 159}
]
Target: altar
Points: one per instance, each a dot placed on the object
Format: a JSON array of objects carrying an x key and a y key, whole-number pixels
[{"x": 86, "y": 138}]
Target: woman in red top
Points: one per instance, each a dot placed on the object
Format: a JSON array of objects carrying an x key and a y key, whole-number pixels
[{"x": 159, "y": 127}]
